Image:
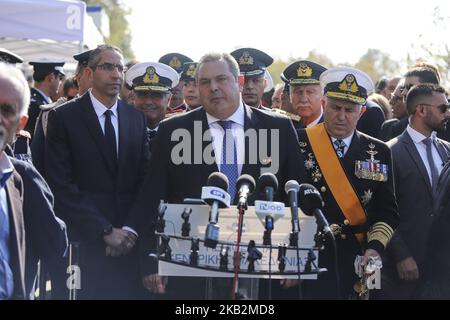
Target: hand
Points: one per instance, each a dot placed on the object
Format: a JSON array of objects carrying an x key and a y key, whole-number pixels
[
  {"x": 155, "y": 283},
  {"x": 369, "y": 253},
  {"x": 289, "y": 283},
  {"x": 120, "y": 240},
  {"x": 407, "y": 269}
]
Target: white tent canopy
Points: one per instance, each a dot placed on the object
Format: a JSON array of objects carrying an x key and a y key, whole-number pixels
[{"x": 35, "y": 29}]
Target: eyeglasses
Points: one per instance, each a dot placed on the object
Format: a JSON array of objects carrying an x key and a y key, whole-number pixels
[
  {"x": 110, "y": 67},
  {"x": 442, "y": 107}
]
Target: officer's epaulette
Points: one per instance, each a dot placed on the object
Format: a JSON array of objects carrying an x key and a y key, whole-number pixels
[
  {"x": 294, "y": 117},
  {"x": 46, "y": 107}
]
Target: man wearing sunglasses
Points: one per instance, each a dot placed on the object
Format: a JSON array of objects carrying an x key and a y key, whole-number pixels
[
  {"x": 95, "y": 153},
  {"x": 418, "y": 157}
]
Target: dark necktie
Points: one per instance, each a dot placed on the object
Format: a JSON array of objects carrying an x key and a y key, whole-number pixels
[
  {"x": 228, "y": 164},
  {"x": 340, "y": 147},
  {"x": 110, "y": 138},
  {"x": 434, "y": 172}
]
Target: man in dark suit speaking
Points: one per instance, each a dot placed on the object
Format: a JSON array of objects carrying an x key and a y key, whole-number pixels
[
  {"x": 186, "y": 155},
  {"x": 95, "y": 155}
]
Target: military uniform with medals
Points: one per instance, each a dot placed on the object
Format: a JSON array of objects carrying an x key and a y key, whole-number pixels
[{"x": 357, "y": 190}]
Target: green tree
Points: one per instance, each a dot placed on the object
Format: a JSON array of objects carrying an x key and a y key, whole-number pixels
[
  {"x": 119, "y": 30},
  {"x": 377, "y": 64}
]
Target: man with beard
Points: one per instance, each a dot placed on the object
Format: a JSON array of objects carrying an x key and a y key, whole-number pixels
[
  {"x": 418, "y": 157},
  {"x": 253, "y": 64},
  {"x": 151, "y": 83}
]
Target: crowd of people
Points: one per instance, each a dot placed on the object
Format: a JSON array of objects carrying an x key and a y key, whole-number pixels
[{"x": 87, "y": 159}]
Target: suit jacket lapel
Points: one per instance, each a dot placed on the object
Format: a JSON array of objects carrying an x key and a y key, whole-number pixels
[
  {"x": 93, "y": 125},
  {"x": 444, "y": 154},
  {"x": 13, "y": 190},
  {"x": 412, "y": 150},
  {"x": 203, "y": 170}
]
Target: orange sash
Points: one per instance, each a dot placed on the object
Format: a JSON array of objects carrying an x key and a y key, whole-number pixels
[{"x": 335, "y": 176}]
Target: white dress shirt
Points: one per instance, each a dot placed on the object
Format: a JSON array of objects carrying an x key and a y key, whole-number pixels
[
  {"x": 100, "y": 111},
  {"x": 217, "y": 133},
  {"x": 316, "y": 121},
  {"x": 418, "y": 138}
]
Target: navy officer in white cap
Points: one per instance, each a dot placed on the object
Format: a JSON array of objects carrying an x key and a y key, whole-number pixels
[
  {"x": 353, "y": 173},
  {"x": 47, "y": 76},
  {"x": 152, "y": 83}
]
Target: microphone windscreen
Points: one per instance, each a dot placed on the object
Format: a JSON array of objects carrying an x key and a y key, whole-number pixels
[
  {"x": 268, "y": 180},
  {"x": 309, "y": 199},
  {"x": 248, "y": 180},
  {"x": 219, "y": 180},
  {"x": 291, "y": 185}
]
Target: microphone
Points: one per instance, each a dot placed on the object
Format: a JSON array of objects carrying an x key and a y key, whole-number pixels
[
  {"x": 291, "y": 188},
  {"x": 268, "y": 211},
  {"x": 311, "y": 204},
  {"x": 245, "y": 186},
  {"x": 216, "y": 196}
]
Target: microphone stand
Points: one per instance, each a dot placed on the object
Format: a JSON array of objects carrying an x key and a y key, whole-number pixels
[
  {"x": 293, "y": 242},
  {"x": 237, "y": 253}
]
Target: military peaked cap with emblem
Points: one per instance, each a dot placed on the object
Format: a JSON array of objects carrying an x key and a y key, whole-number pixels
[
  {"x": 252, "y": 62},
  {"x": 175, "y": 60},
  {"x": 152, "y": 76},
  {"x": 303, "y": 72},
  {"x": 83, "y": 57},
  {"x": 269, "y": 80},
  {"x": 47, "y": 66},
  {"x": 189, "y": 70},
  {"x": 346, "y": 83},
  {"x": 9, "y": 57}
]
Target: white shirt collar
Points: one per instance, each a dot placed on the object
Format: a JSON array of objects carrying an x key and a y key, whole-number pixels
[
  {"x": 347, "y": 140},
  {"x": 416, "y": 136},
  {"x": 316, "y": 121},
  {"x": 236, "y": 117},
  {"x": 100, "y": 108}
]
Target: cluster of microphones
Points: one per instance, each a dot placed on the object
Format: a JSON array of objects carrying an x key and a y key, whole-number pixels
[{"x": 304, "y": 195}]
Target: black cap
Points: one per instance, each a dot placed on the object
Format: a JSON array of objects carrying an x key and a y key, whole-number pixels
[
  {"x": 9, "y": 57},
  {"x": 303, "y": 72},
  {"x": 83, "y": 57},
  {"x": 189, "y": 70},
  {"x": 252, "y": 62},
  {"x": 47, "y": 66},
  {"x": 175, "y": 60}
]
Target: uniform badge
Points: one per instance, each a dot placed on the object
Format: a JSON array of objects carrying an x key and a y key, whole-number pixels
[
  {"x": 246, "y": 58},
  {"x": 366, "y": 197},
  {"x": 191, "y": 71},
  {"x": 371, "y": 169},
  {"x": 349, "y": 84},
  {"x": 316, "y": 175},
  {"x": 309, "y": 163},
  {"x": 302, "y": 146},
  {"x": 175, "y": 63},
  {"x": 151, "y": 76},
  {"x": 304, "y": 70}
]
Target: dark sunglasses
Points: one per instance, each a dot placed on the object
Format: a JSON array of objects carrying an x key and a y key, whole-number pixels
[{"x": 442, "y": 107}]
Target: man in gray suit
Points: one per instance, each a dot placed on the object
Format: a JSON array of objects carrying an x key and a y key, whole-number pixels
[{"x": 418, "y": 158}]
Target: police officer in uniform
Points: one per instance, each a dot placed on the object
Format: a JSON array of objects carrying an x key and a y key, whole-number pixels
[
  {"x": 253, "y": 65},
  {"x": 47, "y": 75},
  {"x": 40, "y": 130},
  {"x": 152, "y": 83},
  {"x": 176, "y": 61},
  {"x": 305, "y": 91},
  {"x": 191, "y": 99},
  {"x": 353, "y": 173}
]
